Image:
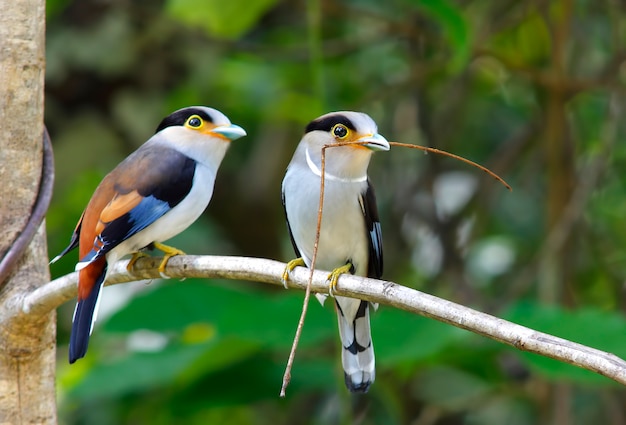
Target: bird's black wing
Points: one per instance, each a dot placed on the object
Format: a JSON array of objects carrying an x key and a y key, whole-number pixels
[
  {"x": 374, "y": 233},
  {"x": 293, "y": 241}
]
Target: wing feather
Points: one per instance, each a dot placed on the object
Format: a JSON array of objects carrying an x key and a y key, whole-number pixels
[
  {"x": 293, "y": 241},
  {"x": 139, "y": 191},
  {"x": 374, "y": 232}
]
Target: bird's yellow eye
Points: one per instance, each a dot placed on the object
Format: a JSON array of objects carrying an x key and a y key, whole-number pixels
[
  {"x": 194, "y": 121},
  {"x": 340, "y": 131}
]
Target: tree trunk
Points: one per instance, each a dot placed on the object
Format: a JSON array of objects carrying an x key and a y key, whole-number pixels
[{"x": 27, "y": 342}]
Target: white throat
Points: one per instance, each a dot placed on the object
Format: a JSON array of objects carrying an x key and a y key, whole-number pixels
[{"x": 329, "y": 176}]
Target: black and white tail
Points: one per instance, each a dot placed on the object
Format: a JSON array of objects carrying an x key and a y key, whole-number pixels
[{"x": 357, "y": 354}]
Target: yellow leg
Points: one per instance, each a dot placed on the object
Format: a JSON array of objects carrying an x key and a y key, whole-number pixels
[
  {"x": 169, "y": 252},
  {"x": 334, "y": 276},
  {"x": 289, "y": 268},
  {"x": 136, "y": 256}
]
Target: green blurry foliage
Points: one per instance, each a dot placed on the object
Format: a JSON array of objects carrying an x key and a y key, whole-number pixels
[
  {"x": 454, "y": 26},
  {"x": 533, "y": 90},
  {"x": 588, "y": 326},
  {"x": 228, "y": 20}
]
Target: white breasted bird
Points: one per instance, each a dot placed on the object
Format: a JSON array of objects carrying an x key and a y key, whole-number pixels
[
  {"x": 154, "y": 194},
  {"x": 350, "y": 237}
]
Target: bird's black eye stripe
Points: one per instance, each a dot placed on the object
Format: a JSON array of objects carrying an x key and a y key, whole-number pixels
[
  {"x": 180, "y": 117},
  {"x": 329, "y": 122}
]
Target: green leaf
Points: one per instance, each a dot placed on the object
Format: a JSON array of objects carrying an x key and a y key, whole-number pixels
[
  {"x": 255, "y": 379},
  {"x": 450, "y": 388},
  {"x": 403, "y": 337},
  {"x": 528, "y": 42},
  {"x": 55, "y": 7},
  {"x": 224, "y": 19},
  {"x": 502, "y": 409},
  {"x": 454, "y": 26},
  {"x": 145, "y": 371},
  {"x": 602, "y": 330},
  {"x": 265, "y": 317}
]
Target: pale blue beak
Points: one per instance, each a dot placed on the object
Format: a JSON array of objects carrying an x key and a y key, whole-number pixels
[
  {"x": 231, "y": 132},
  {"x": 375, "y": 142}
]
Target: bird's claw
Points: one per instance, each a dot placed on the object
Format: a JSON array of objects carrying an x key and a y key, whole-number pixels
[
  {"x": 169, "y": 253},
  {"x": 289, "y": 268},
  {"x": 333, "y": 277},
  {"x": 136, "y": 256},
  {"x": 163, "y": 264}
]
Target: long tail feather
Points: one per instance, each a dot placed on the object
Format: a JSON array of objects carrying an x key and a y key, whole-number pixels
[
  {"x": 73, "y": 244},
  {"x": 357, "y": 354},
  {"x": 73, "y": 241},
  {"x": 84, "y": 319}
]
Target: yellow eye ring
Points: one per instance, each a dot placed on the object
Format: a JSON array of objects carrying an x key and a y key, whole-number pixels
[
  {"x": 194, "y": 121},
  {"x": 340, "y": 131}
]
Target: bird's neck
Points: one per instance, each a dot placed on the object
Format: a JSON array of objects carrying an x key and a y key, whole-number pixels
[
  {"x": 211, "y": 155},
  {"x": 328, "y": 170}
]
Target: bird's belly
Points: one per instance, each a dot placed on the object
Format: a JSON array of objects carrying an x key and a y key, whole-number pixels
[
  {"x": 342, "y": 235},
  {"x": 175, "y": 220}
]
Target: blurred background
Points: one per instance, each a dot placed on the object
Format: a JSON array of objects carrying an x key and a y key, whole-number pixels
[{"x": 532, "y": 89}]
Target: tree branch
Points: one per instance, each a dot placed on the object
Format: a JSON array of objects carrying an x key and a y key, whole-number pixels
[
  {"x": 38, "y": 213},
  {"x": 52, "y": 294}
]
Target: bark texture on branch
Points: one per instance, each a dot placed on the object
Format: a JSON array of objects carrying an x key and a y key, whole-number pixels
[
  {"x": 27, "y": 342},
  {"x": 63, "y": 289}
]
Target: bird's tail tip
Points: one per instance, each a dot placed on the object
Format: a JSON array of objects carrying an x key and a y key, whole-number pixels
[
  {"x": 81, "y": 331},
  {"x": 359, "y": 382},
  {"x": 76, "y": 354}
]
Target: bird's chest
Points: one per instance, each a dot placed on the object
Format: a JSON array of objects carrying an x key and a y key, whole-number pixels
[
  {"x": 342, "y": 232},
  {"x": 190, "y": 208}
]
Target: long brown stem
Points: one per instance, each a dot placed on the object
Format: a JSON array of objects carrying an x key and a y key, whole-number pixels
[
  {"x": 451, "y": 155},
  {"x": 307, "y": 293}
]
